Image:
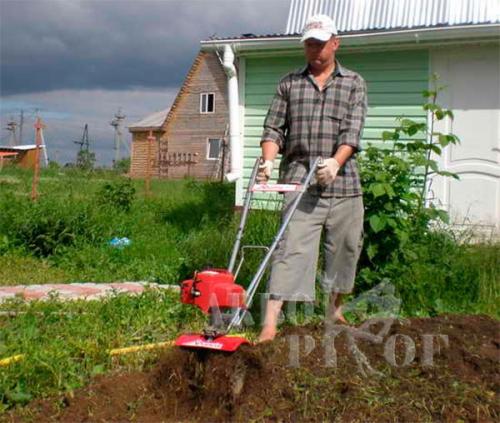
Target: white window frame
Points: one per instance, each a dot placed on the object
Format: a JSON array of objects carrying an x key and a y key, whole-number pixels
[
  {"x": 206, "y": 95},
  {"x": 208, "y": 148}
]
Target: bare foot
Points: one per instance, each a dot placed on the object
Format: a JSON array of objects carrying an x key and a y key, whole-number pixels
[
  {"x": 338, "y": 317},
  {"x": 268, "y": 334}
]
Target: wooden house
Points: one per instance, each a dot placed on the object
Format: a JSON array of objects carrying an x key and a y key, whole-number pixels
[
  {"x": 141, "y": 147},
  {"x": 21, "y": 155},
  {"x": 190, "y": 137}
]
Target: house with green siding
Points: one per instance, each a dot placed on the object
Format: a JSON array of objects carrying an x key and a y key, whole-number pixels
[{"x": 396, "y": 45}]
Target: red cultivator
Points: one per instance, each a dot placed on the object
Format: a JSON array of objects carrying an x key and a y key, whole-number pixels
[{"x": 215, "y": 291}]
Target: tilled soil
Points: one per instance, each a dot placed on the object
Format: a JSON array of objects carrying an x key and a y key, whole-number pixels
[{"x": 386, "y": 372}]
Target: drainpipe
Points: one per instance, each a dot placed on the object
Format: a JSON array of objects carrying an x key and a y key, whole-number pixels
[{"x": 234, "y": 118}]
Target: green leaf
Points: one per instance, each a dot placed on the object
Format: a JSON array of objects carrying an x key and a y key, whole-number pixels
[
  {"x": 428, "y": 93},
  {"x": 371, "y": 251},
  {"x": 430, "y": 106},
  {"x": 387, "y": 135},
  {"x": 377, "y": 223},
  {"x": 402, "y": 235},
  {"x": 433, "y": 165},
  {"x": 449, "y": 174},
  {"x": 377, "y": 190},
  {"x": 412, "y": 130},
  {"x": 392, "y": 223},
  {"x": 440, "y": 114},
  {"x": 389, "y": 190},
  {"x": 443, "y": 140},
  {"x": 435, "y": 149},
  {"x": 408, "y": 122}
]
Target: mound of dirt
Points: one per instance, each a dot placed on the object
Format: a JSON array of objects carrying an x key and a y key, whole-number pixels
[{"x": 443, "y": 368}]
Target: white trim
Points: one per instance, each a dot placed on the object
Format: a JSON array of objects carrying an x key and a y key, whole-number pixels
[
  {"x": 238, "y": 201},
  {"x": 201, "y": 102},
  {"x": 23, "y": 147},
  {"x": 458, "y": 33},
  {"x": 208, "y": 148}
]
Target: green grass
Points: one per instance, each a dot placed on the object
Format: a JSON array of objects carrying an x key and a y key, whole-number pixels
[
  {"x": 65, "y": 343},
  {"x": 65, "y": 235},
  {"x": 187, "y": 225}
]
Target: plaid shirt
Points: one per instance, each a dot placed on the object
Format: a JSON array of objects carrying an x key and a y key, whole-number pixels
[{"x": 306, "y": 123}]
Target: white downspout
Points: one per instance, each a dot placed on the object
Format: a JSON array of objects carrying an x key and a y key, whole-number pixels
[{"x": 234, "y": 119}]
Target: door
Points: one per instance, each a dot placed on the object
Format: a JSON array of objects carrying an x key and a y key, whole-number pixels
[{"x": 471, "y": 76}]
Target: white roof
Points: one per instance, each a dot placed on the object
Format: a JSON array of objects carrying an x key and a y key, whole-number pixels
[
  {"x": 21, "y": 147},
  {"x": 154, "y": 120},
  {"x": 359, "y": 15}
]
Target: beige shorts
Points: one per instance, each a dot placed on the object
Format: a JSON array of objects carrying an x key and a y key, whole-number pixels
[{"x": 294, "y": 263}]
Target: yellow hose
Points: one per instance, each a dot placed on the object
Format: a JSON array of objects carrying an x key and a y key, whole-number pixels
[
  {"x": 116, "y": 351},
  {"x": 145, "y": 347},
  {"x": 9, "y": 360}
]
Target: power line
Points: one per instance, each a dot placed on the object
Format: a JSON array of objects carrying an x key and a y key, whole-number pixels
[{"x": 117, "y": 124}]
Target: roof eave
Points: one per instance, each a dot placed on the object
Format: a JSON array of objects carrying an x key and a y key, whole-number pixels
[
  {"x": 145, "y": 128},
  {"x": 439, "y": 34}
]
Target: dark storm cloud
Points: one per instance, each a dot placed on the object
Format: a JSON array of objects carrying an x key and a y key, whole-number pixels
[{"x": 117, "y": 44}]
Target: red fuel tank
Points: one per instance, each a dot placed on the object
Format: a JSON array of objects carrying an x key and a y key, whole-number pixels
[{"x": 212, "y": 288}]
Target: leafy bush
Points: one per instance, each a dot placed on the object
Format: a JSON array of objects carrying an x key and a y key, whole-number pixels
[
  {"x": 119, "y": 194},
  {"x": 122, "y": 166},
  {"x": 395, "y": 187}
]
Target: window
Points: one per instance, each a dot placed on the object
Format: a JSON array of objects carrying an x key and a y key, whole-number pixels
[
  {"x": 207, "y": 103},
  {"x": 213, "y": 148}
]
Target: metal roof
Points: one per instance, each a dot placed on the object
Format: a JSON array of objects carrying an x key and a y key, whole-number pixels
[
  {"x": 20, "y": 147},
  {"x": 154, "y": 120},
  {"x": 359, "y": 15}
]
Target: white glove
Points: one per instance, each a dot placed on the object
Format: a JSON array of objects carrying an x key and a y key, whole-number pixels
[
  {"x": 326, "y": 172},
  {"x": 264, "y": 172}
]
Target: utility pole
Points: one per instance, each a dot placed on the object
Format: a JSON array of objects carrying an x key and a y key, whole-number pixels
[
  {"x": 150, "y": 139},
  {"x": 12, "y": 128},
  {"x": 21, "y": 123},
  {"x": 38, "y": 140},
  {"x": 84, "y": 141},
  {"x": 84, "y": 158},
  {"x": 117, "y": 124}
]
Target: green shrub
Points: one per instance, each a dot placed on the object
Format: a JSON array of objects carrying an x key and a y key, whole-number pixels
[
  {"x": 394, "y": 178},
  {"x": 122, "y": 166},
  {"x": 119, "y": 194}
]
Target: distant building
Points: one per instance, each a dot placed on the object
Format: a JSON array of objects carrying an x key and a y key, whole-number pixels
[
  {"x": 140, "y": 132},
  {"x": 22, "y": 155},
  {"x": 190, "y": 137}
]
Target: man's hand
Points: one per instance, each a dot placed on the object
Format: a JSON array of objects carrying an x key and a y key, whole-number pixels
[
  {"x": 264, "y": 172},
  {"x": 326, "y": 172}
]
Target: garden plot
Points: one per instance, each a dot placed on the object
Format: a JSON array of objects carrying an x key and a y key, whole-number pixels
[{"x": 458, "y": 381}]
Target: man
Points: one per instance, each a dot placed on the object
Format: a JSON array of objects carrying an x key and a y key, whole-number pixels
[{"x": 318, "y": 110}]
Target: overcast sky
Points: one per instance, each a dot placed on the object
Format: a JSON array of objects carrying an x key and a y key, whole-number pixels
[{"x": 78, "y": 61}]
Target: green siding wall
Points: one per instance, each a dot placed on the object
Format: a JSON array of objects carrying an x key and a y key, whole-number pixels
[{"x": 395, "y": 83}]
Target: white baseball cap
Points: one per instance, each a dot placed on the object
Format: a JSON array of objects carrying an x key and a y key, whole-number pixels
[{"x": 320, "y": 27}]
